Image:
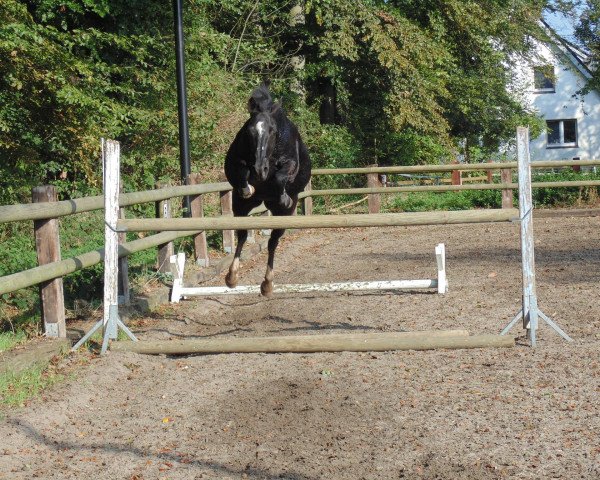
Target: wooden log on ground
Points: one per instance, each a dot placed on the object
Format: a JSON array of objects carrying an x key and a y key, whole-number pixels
[
  {"x": 566, "y": 212},
  {"x": 373, "y": 342},
  {"x": 320, "y": 221}
]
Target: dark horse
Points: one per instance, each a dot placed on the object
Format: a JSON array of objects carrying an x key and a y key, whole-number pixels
[{"x": 267, "y": 162}]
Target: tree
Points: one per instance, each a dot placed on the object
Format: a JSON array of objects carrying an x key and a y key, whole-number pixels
[
  {"x": 588, "y": 33},
  {"x": 418, "y": 75}
]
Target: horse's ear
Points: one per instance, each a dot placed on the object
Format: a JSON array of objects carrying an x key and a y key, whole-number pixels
[
  {"x": 276, "y": 106},
  {"x": 253, "y": 106}
]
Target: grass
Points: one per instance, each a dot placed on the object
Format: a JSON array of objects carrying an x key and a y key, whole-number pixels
[
  {"x": 16, "y": 390},
  {"x": 9, "y": 340}
]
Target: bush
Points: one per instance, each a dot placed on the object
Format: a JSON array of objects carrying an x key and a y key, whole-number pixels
[
  {"x": 542, "y": 197},
  {"x": 564, "y": 196}
]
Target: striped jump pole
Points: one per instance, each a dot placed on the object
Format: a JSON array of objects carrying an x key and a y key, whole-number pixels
[{"x": 440, "y": 283}]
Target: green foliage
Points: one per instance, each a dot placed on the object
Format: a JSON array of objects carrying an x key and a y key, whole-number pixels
[
  {"x": 470, "y": 199},
  {"x": 588, "y": 34},
  {"x": 406, "y": 69},
  {"x": 463, "y": 200},
  {"x": 406, "y": 79},
  {"x": 561, "y": 197}
]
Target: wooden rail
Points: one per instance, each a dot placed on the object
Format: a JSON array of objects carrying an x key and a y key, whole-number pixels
[
  {"x": 319, "y": 221},
  {"x": 22, "y": 212},
  {"x": 451, "y": 188},
  {"x": 43, "y": 273},
  {"x": 355, "y": 342},
  {"x": 452, "y": 167},
  {"x": 32, "y": 211}
]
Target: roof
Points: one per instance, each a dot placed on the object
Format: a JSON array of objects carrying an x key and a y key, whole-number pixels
[{"x": 580, "y": 59}]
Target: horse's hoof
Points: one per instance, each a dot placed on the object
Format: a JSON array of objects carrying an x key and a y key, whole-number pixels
[
  {"x": 285, "y": 201},
  {"x": 231, "y": 280},
  {"x": 247, "y": 192},
  {"x": 266, "y": 288}
]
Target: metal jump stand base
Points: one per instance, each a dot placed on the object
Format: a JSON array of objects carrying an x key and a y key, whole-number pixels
[
  {"x": 533, "y": 323},
  {"x": 110, "y": 332}
]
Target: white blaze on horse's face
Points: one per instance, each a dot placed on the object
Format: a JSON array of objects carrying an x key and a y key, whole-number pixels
[
  {"x": 260, "y": 127},
  {"x": 263, "y": 140}
]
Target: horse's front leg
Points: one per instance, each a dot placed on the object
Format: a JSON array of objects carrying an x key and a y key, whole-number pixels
[
  {"x": 245, "y": 190},
  {"x": 240, "y": 181},
  {"x": 281, "y": 180}
]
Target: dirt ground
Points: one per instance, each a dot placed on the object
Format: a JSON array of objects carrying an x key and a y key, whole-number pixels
[{"x": 517, "y": 413}]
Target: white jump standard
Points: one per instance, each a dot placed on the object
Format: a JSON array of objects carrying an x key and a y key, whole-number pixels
[
  {"x": 530, "y": 311},
  {"x": 441, "y": 284}
]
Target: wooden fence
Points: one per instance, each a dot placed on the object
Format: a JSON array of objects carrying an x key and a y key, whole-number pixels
[{"x": 45, "y": 211}]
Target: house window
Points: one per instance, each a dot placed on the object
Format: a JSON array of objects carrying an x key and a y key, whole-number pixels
[
  {"x": 544, "y": 79},
  {"x": 562, "y": 133}
]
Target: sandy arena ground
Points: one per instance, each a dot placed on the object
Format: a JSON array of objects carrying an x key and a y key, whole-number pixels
[{"x": 463, "y": 414}]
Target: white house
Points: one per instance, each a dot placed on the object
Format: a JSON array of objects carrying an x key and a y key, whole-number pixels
[{"x": 550, "y": 85}]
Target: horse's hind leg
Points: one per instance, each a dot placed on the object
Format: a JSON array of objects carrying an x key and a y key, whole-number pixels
[
  {"x": 266, "y": 287},
  {"x": 241, "y": 208},
  {"x": 231, "y": 278}
]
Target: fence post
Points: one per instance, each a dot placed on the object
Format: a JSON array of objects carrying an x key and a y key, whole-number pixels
[
  {"x": 374, "y": 200},
  {"x": 197, "y": 207},
  {"x": 507, "y": 194},
  {"x": 307, "y": 203},
  {"x": 124, "y": 296},
  {"x": 47, "y": 244},
  {"x": 227, "y": 211},
  {"x": 490, "y": 177},
  {"x": 456, "y": 175},
  {"x": 163, "y": 210}
]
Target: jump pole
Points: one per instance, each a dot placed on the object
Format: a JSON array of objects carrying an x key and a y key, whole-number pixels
[
  {"x": 320, "y": 221},
  {"x": 441, "y": 283},
  {"x": 354, "y": 342},
  {"x": 529, "y": 313}
]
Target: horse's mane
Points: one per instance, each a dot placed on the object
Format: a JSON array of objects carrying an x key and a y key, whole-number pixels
[{"x": 260, "y": 100}]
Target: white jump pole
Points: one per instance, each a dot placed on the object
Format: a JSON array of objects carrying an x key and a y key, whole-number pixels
[
  {"x": 529, "y": 313},
  {"x": 441, "y": 283}
]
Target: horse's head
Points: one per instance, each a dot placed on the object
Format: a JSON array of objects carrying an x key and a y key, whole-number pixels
[{"x": 262, "y": 130}]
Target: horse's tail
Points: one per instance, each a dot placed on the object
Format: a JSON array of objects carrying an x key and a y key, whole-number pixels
[{"x": 260, "y": 100}]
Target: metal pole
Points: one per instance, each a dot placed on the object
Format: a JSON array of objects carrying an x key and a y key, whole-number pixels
[{"x": 184, "y": 135}]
